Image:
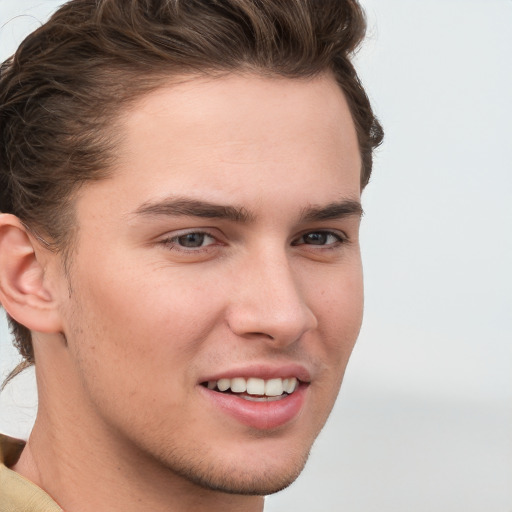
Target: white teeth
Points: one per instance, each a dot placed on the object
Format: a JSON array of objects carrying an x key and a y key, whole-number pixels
[
  {"x": 238, "y": 385},
  {"x": 274, "y": 387},
  {"x": 291, "y": 385},
  {"x": 256, "y": 387},
  {"x": 223, "y": 384}
]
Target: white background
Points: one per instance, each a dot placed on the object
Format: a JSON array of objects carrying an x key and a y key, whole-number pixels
[{"x": 424, "y": 420}]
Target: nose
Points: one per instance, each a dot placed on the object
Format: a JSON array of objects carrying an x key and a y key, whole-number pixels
[{"x": 269, "y": 303}]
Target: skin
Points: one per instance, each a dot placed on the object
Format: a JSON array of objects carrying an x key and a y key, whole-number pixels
[{"x": 141, "y": 321}]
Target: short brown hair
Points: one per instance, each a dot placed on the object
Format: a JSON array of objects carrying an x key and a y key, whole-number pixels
[{"x": 61, "y": 92}]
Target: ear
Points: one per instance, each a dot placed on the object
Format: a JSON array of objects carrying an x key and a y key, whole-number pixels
[{"x": 23, "y": 290}]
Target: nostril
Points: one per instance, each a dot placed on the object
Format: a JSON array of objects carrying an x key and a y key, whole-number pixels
[{"x": 261, "y": 334}]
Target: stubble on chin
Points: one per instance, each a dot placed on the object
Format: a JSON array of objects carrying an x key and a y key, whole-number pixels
[{"x": 240, "y": 478}]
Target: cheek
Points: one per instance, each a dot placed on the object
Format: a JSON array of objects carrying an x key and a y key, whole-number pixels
[
  {"x": 135, "y": 297},
  {"x": 148, "y": 324},
  {"x": 339, "y": 305},
  {"x": 132, "y": 346},
  {"x": 339, "y": 313}
]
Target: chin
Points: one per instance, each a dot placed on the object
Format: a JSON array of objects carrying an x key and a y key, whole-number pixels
[{"x": 270, "y": 477}]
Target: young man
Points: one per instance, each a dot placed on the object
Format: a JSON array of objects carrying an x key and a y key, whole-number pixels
[{"x": 179, "y": 257}]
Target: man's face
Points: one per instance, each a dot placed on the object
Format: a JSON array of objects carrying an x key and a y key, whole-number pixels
[{"x": 223, "y": 251}]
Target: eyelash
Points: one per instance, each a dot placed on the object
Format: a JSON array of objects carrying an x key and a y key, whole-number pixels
[{"x": 173, "y": 244}]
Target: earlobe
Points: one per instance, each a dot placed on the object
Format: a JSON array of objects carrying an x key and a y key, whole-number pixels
[{"x": 23, "y": 290}]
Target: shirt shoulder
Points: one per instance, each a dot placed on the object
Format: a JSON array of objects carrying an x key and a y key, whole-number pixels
[{"x": 17, "y": 494}]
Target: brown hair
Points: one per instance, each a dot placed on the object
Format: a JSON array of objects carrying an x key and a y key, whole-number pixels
[{"x": 61, "y": 92}]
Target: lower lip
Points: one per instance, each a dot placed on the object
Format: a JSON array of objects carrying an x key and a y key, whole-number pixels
[{"x": 259, "y": 415}]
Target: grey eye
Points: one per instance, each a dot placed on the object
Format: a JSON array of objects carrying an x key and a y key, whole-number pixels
[
  {"x": 319, "y": 238},
  {"x": 192, "y": 240}
]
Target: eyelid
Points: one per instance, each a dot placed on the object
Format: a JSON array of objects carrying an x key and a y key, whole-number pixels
[{"x": 176, "y": 233}]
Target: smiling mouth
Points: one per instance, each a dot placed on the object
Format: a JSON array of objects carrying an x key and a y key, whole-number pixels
[{"x": 255, "y": 389}]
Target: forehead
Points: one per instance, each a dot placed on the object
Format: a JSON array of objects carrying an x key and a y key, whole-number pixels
[
  {"x": 242, "y": 135},
  {"x": 195, "y": 100}
]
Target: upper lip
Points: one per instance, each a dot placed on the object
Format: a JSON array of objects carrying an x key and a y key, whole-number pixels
[{"x": 262, "y": 371}]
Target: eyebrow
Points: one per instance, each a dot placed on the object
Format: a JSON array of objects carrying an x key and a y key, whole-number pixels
[
  {"x": 186, "y": 207},
  {"x": 333, "y": 211}
]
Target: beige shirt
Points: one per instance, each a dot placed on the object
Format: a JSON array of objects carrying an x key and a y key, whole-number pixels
[{"x": 17, "y": 494}]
